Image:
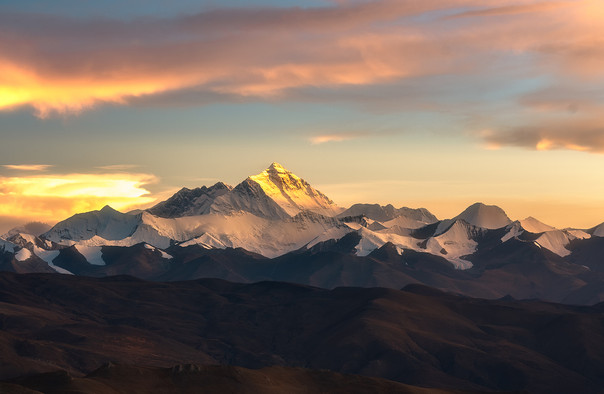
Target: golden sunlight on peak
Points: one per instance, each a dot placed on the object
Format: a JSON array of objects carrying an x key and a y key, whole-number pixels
[
  {"x": 277, "y": 167},
  {"x": 275, "y": 179}
]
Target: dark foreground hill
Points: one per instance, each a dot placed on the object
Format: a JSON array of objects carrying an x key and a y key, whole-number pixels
[
  {"x": 418, "y": 336},
  {"x": 183, "y": 379}
]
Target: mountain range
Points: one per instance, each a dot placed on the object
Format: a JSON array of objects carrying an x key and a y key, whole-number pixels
[{"x": 276, "y": 226}]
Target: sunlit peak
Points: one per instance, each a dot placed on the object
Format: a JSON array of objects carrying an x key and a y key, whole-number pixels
[{"x": 276, "y": 167}]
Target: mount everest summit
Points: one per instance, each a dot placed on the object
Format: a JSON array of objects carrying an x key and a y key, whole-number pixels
[
  {"x": 275, "y": 194},
  {"x": 276, "y": 226}
]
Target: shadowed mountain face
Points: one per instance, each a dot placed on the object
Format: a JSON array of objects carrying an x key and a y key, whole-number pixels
[
  {"x": 388, "y": 212},
  {"x": 418, "y": 336},
  {"x": 188, "y": 202},
  {"x": 517, "y": 268},
  {"x": 121, "y": 379}
]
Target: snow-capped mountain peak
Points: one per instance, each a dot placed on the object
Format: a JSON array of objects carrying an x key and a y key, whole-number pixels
[
  {"x": 485, "y": 216},
  {"x": 292, "y": 193},
  {"x": 276, "y": 167},
  {"x": 598, "y": 231},
  {"x": 535, "y": 226},
  {"x": 275, "y": 194},
  {"x": 106, "y": 223},
  {"x": 190, "y": 202},
  {"x": 108, "y": 210}
]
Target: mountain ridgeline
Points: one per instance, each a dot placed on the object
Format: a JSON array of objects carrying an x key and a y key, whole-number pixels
[
  {"x": 276, "y": 226},
  {"x": 273, "y": 194}
]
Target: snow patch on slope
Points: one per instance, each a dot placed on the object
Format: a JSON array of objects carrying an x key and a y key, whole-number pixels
[
  {"x": 46, "y": 255},
  {"x": 580, "y": 234},
  {"x": 514, "y": 230},
  {"x": 23, "y": 254},
  {"x": 6, "y": 246},
  {"x": 555, "y": 241},
  {"x": 404, "y": 222},
  {"x": 371, "y": 241},
  {"x": 335, "y": 233},
  {"x": 457, "y": 241},
  {"x": 92, "y": 254},
  {"x": 60, "y": 270},
  {"x": 207, "y": 241},
  {"x": 163, "y": 253}
]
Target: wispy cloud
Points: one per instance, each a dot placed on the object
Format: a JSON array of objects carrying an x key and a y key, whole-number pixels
[
  {"x": 118, "y": 167},
  {"x": 27, "y": 167},
  {"x": 324, "y": 138},
  {"x": 515, "y": 9}
]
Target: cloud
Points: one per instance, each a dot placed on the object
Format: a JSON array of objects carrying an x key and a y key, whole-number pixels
[
  {"x": 27, "y": 167},
  {"x": 321, "y": 139},
  {"x": 583, "y": 135},
  {"x": 52, "y": 197},
  {"x": 511, "y": 9},
  {"x": 469, "y": 58},
  {"x": 118, "y": 167},
  {"x": 560, "y": 117},
  {"x": 56, "y": 63},
  {"x": 573, "y": 99}
]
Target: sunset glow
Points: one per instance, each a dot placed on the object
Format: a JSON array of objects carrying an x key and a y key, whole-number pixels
[
  {"x": 443, "y": 95},
  {"x": 55, "y": 197}
]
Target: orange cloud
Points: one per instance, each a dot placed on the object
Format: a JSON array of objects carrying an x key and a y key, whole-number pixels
[
  {"x": 57, "y": 196},
  {"x": 27, "y": 167},
  {"x": 62, "y": 64},
  {"x": 512, "y": 9},
  {"x": 20, "y": 85},
  {"x": 321, "y": 139}
]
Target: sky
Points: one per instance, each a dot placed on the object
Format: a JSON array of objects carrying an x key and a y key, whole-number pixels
[{"x": 433, "y": 103}]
